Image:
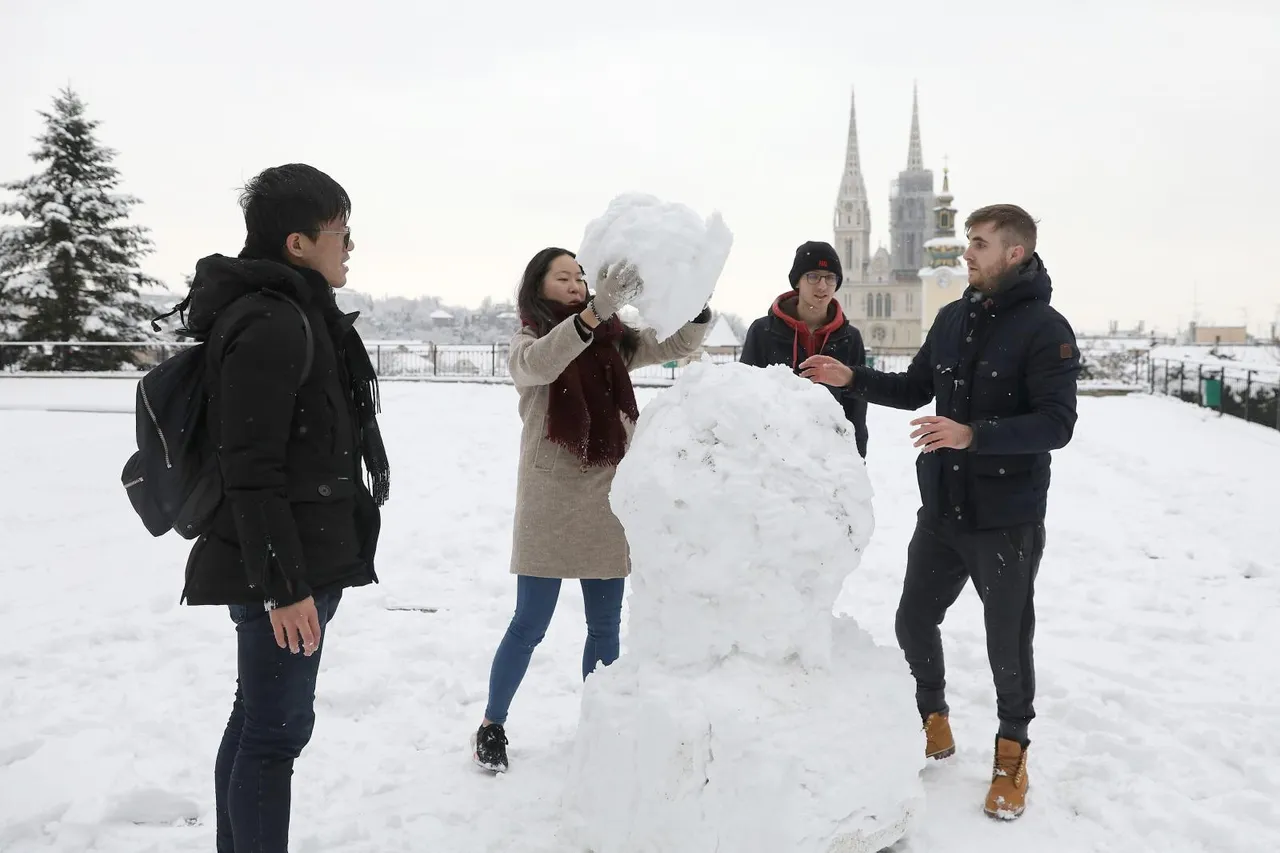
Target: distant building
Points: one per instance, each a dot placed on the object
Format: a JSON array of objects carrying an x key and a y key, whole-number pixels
[
  {"x": 1219, "y": 334},
  {"x": 721, "y": 340},
  {"x": 441, "y": 318}
]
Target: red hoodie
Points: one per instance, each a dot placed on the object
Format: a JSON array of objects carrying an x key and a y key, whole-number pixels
[{"x": 812, "y": 342}]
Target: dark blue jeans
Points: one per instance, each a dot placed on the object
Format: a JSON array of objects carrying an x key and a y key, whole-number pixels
[
  {"x": 271, "y": 721},
  {"x": 535, "y": 603}
]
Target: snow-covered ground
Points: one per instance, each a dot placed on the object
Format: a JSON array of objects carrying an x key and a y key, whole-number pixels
[
  {"x": 1155, "y": 645},
  {"x": 1263, "y": 358}
]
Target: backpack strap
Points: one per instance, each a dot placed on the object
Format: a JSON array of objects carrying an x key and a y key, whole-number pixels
[
  {"x": 178, "y": 309},
  {"x": 310, "y": 353}
]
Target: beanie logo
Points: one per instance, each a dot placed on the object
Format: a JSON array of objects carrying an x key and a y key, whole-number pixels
[{"x": 822, "y": 264}]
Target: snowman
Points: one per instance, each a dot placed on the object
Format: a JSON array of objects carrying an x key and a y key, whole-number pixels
[{"x": 743, "y": 715}]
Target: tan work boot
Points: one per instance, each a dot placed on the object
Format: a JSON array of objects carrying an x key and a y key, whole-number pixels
[
  {"x": 938, "y": 742},
  {"x": 1008, "y": 795}
]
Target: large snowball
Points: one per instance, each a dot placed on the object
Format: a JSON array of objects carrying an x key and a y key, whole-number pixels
[
  {"x": 743, "y": 715},
  {"x": 679, "y": 255}
]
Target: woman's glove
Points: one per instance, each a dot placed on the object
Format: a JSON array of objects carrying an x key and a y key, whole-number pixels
[{"x": 616, "y": 287}]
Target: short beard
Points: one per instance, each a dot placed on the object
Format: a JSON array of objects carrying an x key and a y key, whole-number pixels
[{"x": 993, "y": 284}]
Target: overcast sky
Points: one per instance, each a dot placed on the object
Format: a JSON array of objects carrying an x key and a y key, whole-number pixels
[{"x": 1143, "y": 134}]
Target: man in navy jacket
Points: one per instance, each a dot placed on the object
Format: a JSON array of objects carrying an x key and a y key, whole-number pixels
[{"x": 1001, "y": 365}]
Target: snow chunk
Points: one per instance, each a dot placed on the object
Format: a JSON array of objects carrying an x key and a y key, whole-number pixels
[
  {"x": 680, "y": 257},
  {"x": 746, "y": 505}
]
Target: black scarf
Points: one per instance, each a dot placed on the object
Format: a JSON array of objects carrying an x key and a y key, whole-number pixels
[
  {"x": 357, "y": 369},
  {"x": 363, "y": 381}
]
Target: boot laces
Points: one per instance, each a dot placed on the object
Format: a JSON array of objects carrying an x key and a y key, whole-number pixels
[{"x": 1010, "y": 766}]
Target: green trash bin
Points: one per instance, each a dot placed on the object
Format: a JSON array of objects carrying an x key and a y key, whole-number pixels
[
  {"x": 871, "y": 362},
  {"x": 1212, "y": 393}
]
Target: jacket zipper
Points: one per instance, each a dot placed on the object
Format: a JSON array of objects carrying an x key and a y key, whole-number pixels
[
  {"x": 132, "y": 483},
  {"x": 146, "y": 402},
  {"x": 271, "y": 555}
]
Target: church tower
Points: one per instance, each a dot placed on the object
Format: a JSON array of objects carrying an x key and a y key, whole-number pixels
[
  {"x": 944, "y": 277},
  {"x": 852, "y": 219},
  {"x": 911, "y": 202}
]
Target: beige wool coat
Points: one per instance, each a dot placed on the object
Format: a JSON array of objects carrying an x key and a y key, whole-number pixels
[{"x": 563, "y": 525}]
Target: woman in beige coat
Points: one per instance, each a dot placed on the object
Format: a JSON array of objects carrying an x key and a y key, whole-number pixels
[{"x": 570, "y": 363}]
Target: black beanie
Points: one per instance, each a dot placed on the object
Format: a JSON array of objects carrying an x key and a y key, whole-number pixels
[{"x": 813, "y": 257}]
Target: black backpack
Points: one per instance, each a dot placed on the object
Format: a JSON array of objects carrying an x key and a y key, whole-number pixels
[{"x": 173, "y": 480}]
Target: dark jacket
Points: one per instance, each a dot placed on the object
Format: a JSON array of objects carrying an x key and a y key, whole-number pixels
[
  {"x": 297, "y": 517},
  {"x": 780, "y": 337},
  {"x": 1007, "y": 366}
]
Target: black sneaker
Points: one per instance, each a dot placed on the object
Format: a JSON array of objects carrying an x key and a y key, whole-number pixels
[{"x": 490, "y": 748}]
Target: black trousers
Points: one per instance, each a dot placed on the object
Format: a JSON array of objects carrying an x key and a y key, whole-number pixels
[{"x": 1002, "y": 564}]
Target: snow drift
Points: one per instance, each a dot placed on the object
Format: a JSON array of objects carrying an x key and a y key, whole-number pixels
[
  {"x": 744, "y": 716},
  {"x": 680, "y": 257}
]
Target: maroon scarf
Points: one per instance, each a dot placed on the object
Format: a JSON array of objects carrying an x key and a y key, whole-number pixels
[{"x": 586, "y": 399}]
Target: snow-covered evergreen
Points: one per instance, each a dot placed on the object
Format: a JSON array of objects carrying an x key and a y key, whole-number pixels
[{"x": 69, "y": 271}]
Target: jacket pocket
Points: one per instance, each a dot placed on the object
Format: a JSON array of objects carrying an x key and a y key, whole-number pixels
[
  {"x": 995, "y": 390},
  {"x": 321, "y": 489},
  {"x": 544, "y": 456},
  {"x": 546, "y": 450},
  {"x": 1006, "y": 490},
  {"x": 1001, "y": 467}
]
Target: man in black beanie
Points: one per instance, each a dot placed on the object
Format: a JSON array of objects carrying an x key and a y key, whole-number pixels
[{"x": 808, "y": 320}]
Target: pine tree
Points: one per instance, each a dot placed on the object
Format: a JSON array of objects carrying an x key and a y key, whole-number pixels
[{"x": 70, "y": 271}]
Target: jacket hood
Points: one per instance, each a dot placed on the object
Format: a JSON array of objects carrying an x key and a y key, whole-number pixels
[
  {"x": 811, "y": 342},
  {"x": 784, "y": 309},
  {"x": 220, "y": 280},
  {"x": 1029, "y": 280}
]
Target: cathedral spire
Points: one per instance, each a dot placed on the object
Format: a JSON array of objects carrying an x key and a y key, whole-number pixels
[
  {"x": 853, "y": 183},
  {"x": 851, "y": 220},
  {"x": 915, "y": 154}
]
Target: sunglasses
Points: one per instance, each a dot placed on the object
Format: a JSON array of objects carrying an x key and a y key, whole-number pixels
[{"x": 346, "y": 237}]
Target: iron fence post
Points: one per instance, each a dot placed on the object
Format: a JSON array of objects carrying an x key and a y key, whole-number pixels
[{"x": 1248, "y": 393}]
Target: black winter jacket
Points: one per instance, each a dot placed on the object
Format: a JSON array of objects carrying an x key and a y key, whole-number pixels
[
  {"x": 1005, "y": 365},
  {"x": 780, "y": 338},
  {"x": 297, "y": 517}
]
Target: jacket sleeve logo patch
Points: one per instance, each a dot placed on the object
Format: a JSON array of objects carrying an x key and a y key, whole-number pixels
[{"x": 1066, "y": 351}]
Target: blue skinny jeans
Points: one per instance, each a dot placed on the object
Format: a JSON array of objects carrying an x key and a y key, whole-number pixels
[{"x": 535, "y": 603}]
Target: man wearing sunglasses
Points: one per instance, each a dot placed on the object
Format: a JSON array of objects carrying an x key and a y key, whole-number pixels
[
  {"x": 291, "y": 411},
  {"x": 807, "y": 321}
]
